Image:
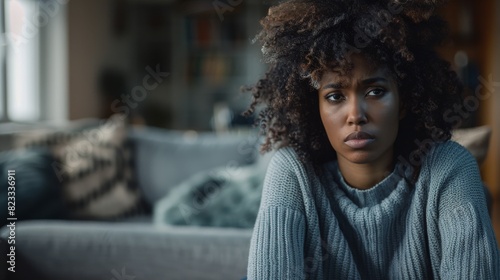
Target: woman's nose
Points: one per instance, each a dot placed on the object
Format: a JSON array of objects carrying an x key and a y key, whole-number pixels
[{"x": 356, "y": 113}]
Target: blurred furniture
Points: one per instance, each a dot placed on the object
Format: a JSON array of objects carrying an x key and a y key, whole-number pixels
[
  {"x": 130, "y": 245},
  {"x": 70, "y": 250}
]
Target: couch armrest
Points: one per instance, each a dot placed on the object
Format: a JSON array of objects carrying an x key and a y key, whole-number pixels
[{"x": 100, "y": 250}]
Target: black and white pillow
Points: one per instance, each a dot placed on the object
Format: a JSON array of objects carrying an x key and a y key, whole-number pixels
[
  {"x": 221, "y": 197},
  {"x": 95, "y": 168}
]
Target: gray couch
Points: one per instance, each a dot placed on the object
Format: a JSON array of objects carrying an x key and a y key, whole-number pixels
[
  {"x": 136, "y": 248},
  {"x": 140, "y": 247},
  {"x": 100, "y": 250}
]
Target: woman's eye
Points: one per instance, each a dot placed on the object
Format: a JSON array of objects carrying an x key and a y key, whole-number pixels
[
  {"x": 376, "y": 92},
  {"x": 335, "y": 97}
]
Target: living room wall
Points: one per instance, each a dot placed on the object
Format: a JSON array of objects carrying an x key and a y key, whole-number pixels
[
  {"x": 88, "y": 39},
  {"x": 491, "y": 116},
  {"x": 114, "y": 35}
]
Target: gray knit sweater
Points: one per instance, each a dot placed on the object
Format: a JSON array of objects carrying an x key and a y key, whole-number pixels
[{"x": 313, "y": 225}]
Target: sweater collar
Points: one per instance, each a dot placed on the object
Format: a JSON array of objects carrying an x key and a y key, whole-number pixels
[{"x": 374, "y": 195}]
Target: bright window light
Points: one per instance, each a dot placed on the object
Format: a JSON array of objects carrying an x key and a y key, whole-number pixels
[
  {"x": 22, "y": 33},
  {"x": 2, "y": 78}
]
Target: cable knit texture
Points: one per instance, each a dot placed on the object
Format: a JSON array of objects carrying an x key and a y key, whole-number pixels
[{"x": 313, "y": 225}]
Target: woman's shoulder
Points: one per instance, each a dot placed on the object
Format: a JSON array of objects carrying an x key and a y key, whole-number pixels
[
  {"x": 453, "y": 178},
  {"x": 285, "y": 158},
  {"x": 286, "y": 179},
  {"x": 450, "y": 166},
  {"x": 449, "y": 153},
  {"x": 436, "y": 157}
]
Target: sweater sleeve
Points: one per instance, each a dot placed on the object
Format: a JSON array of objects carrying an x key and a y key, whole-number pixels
[
  {"x": 277, "y": 244},
  {"x": 469, "y": 249}
]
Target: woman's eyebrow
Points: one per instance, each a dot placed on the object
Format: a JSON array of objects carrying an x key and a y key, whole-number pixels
[
  {"x": 368, "y": 81},
  {"x": 373, "y": 80},
  {"x": 339, "y": 85}
]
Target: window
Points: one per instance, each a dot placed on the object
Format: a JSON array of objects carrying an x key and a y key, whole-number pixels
[
  {"x": 20, "y": 56},
  {"x": 3, "y": 45}
]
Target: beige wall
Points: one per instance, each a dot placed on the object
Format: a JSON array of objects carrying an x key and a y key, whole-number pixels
[
  {"x": 88, "y": 35},
  {"x": 495, "y": 141},
  {"x": 490, "y": 111}
]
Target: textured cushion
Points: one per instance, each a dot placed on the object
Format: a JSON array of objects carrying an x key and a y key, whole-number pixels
[
  {"x": 221, "y": 197},
  {"x": 93, "y": 166},
  {"x": 100, "y": 251},
  {"x": 476, "y": 140},
  {"x": 37, "y": 189},
  {"x": 165, "y": 158}
]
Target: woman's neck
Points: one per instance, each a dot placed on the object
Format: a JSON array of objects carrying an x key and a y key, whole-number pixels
[{"x": 366, "y": 175}]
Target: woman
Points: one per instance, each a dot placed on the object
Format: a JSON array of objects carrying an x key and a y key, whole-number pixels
[{"x": 365, "y": 183}]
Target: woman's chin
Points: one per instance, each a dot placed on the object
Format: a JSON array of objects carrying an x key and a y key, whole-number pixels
[{"x": 361, "y": 157}]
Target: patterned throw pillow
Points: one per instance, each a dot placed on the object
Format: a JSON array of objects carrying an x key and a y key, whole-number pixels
[
  {"x": 94, "y": 167},
  {"x": 221, "y": 197}
]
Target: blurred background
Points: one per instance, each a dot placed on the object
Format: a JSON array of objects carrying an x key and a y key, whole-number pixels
[
  {"x": 74, "y": 59},
  {"x": 180, "y": 64}
]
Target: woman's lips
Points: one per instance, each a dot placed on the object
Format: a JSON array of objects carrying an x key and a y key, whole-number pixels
[{"x": 359, "y": 139}]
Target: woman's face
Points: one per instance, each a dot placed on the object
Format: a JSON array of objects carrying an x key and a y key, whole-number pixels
[{"x": 367, "y": 102}]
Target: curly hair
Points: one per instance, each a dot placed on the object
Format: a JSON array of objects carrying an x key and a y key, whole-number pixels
[{"x": 301, "y": 39}]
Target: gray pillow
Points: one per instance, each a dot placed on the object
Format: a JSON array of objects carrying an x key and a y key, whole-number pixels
[{"x": 164, "y": 158}]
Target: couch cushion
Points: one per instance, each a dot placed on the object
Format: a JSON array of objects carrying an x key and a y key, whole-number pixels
[
  {"x": 93, "y": 167},
  {"x": 70, "y": 250},
  {"x": 36, "y": 189},
  {"x": 166, "y": 158}
]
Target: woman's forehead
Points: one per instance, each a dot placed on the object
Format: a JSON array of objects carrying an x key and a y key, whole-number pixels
[{"x": 358, "y": 72}]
